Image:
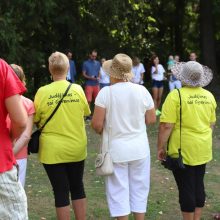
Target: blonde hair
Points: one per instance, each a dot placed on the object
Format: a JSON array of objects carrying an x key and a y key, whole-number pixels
[
  {"x": 19, "y": 72},
  {"x": 58, "y": 63}
]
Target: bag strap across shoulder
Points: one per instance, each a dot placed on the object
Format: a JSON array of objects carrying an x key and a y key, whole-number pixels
[
  {"x": 58, "y": 105},
  {"x": 180, "y": 118},
  {"x": 180, "y": 113},
  {"x": 110, "y": 117},
  {"x": 109, "y": 123}
]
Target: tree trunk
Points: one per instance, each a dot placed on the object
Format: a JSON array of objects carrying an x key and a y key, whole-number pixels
[
  {"x": 179, "y": 16},
  {"x": 208, "y": 55}
]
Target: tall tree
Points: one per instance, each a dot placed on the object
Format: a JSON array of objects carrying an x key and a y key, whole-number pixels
[
  {"x": 208, "y": 55},
  {"x": 179, "y": 18},
  {"x": 31, "y": 30}
]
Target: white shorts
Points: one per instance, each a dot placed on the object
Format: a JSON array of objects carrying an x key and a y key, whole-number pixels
[
  {"x": 127, "y": 189},
  {"x": 22, "y": 164},
  {"x": 13, "y": 201}
]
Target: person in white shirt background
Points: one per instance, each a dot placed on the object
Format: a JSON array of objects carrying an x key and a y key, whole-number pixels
[
  {"x": 157, "y": 74},
  {"x": 138, "y": 71},
  {"x": 104, "y": 78}
]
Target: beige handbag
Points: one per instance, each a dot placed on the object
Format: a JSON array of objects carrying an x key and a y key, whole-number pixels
[{"x": 103, "y": 162}]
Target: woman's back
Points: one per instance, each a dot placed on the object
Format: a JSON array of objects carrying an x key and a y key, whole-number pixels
[
  {"x": 198, "y": 113},
  {"x": 198, "y": 108},
  {"x": 64, "y": 138},
  {"x": 125, "y": 113},
  {"x": 129, "y": 104}
]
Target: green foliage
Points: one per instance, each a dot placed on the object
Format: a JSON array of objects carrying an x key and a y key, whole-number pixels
[
  {"x": 190, "y": 38},
  {"x": 31, "y": 30}
]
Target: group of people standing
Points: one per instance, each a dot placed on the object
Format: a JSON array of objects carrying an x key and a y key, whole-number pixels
[
  {"x": 159, "y": 74},
  {"x": 96, "y": 78},
  {"x": 63, "y": 140}
]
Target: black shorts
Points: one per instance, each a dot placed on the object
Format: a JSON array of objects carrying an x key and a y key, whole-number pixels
[
  {"x": 190, "y": 182},
  {"x": 157, "y": 84},
  {"x": 66, "y": 178}
]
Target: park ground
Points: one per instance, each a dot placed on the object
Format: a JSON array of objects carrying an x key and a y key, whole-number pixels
[{"x": 163, "y": 197}]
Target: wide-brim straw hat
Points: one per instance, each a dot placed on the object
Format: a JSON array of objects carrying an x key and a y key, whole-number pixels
[
  {"x": 119, "y": 67},
  {"x": 192, "y": 73}
]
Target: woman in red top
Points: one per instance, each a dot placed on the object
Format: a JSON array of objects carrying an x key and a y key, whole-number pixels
[{"x": 13, "y": 203}]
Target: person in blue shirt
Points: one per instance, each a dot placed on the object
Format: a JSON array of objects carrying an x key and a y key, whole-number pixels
[
  {"x": 71, "y": 74},
  {"x": 91, "y": 73}
]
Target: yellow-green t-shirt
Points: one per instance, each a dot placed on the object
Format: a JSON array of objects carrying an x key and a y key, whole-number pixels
[
  {"x": 63, "y": 139},
  {"x": 198, "y": 113}
]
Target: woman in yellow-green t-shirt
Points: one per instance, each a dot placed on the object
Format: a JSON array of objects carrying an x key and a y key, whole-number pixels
[
  {"x": 198, "y": 117},
  {"x": 63, "y": 140}
]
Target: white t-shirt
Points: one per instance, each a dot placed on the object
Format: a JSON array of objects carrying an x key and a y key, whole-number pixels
[
  {"x": 137, "y": 71},
  {"x": 68, "y": 76},
  {"x": 159, "y": 76},
  {"x": 104, "y": 78},
  {"x": 128, "y": 136}
]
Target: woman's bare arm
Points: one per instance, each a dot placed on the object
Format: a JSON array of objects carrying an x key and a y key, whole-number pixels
[
  {"x": 17, "y": 114},
  {"x": 150, "y": 116},
  {"x": 98, "y": 119},
  {"x": 24, "y": 138},
  {"x": 165, "y": 130}
]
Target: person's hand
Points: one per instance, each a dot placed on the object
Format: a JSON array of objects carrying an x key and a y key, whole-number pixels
[
  {"x": 94, "y": 78},
  {"x": 156, "y": 69},
  {"x": 161, "y": 154}
]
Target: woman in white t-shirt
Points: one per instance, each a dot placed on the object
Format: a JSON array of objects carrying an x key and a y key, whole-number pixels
[
  {"x": 126, "y": 108},
  {"x": 157, "y": 75},
  {"x": 138, "y": 71},
  {"x": 104, "y": 78}
]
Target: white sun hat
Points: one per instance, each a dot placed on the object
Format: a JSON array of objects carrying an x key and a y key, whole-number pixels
[{"x": 192, "y": 73}]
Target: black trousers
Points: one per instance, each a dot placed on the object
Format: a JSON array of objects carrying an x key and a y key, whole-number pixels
[
  {"x": 190, "y": 182},
  {"x": 66, "y": 178}
]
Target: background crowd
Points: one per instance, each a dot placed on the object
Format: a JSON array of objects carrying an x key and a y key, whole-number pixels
[
  {"x": 63, "y": 141},
  {"x": 95, "y": 78}
]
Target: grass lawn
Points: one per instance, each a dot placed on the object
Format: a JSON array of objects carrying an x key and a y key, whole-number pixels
[{"x": 162, "y": 204}]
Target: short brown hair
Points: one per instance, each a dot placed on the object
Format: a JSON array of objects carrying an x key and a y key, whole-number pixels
[
  {"x": 19, "y": 71},
  {"x": 135, "y": 61},
  {"x": 58, "y": 63}
]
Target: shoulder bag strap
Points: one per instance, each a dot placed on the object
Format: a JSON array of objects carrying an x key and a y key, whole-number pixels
[
  {"x": 103, "y": 148},
  {"x": 180, "y": 120},
  {"x": 58, "y": 105},
  {"x": 110, "y": 117},
  {"x": 179, "y": 150}
]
